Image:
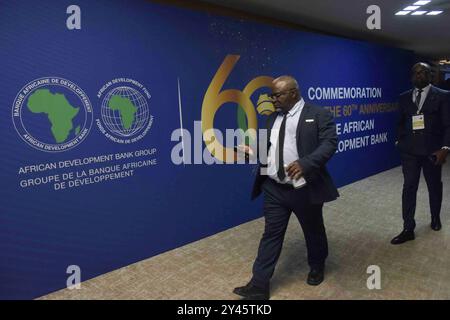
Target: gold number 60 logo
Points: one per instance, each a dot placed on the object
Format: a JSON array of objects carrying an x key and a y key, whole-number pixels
[{"x": 215, "y": 98}]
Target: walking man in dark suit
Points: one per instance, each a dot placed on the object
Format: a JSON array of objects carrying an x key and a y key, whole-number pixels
[
  {"x": 423, "y": 141},
  {"x": 302, "y": 138}
]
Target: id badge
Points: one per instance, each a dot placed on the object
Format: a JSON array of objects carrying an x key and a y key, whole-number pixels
[{"x": 418, "y": 122}]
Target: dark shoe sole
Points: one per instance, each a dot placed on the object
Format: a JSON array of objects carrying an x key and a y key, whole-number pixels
[
  {"x": 250, "y": 296},
  {"x": 396, "y": 243},
  {"x": 314, "y": 283},
  {"x": 238, "y": 292},
  {"x": 256, "y": 298}
]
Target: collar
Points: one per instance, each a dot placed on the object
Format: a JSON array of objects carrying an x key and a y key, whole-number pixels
[
  {"x": 424, "y": 90},
  {"x": 297, "y": 107}
]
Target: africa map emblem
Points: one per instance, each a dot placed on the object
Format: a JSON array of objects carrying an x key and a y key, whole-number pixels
[
  {"x": 52, "y": 114},
  {"x": 125, "y": 113}
]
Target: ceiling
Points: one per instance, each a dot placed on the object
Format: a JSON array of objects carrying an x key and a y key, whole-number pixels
[{"x": 428, "y": 36}]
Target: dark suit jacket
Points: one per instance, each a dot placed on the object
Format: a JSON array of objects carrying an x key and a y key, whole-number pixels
[
  {"x": 436, "y": 134},
  {"x": 316, "y": 144}
]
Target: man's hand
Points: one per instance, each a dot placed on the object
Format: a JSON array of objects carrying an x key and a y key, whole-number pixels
[
  {"x": 441, "y": 155},
  {"x": 294, "y": 170},
  {"x": 246, "y": 150}
]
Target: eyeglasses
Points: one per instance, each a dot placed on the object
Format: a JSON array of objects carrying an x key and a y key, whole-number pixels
[
  {"x": 276, "y": 95},
  {"x": 422, "y": 71}
]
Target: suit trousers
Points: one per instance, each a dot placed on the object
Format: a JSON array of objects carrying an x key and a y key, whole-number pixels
[
  {"x": 279, "y": 202},
  {"x": 411, "y": 167}
]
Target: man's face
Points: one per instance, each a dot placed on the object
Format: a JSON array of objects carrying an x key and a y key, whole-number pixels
[
  {"x": 284, "y": 95},
  {"x": 420, "y": 75}
]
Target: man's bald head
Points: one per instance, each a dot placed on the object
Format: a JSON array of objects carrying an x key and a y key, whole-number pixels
[
  {"x": 287, "y": 82},
  {"x": 422, "y": 65}
]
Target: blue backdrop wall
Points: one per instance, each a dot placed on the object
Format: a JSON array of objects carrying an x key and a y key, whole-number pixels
[{"x": 86, "y": 118}]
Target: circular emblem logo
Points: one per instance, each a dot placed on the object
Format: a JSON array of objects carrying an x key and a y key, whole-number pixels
[
  {"x": 125, "y": 115},
  {"x": 125, "y": 111},
  {"x": 52, "y": 114}
]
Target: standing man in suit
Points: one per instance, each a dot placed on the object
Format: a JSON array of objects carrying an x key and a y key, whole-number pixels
[
  {"x": 302, "y": 138},
  {"x": 424, "y": 141}
]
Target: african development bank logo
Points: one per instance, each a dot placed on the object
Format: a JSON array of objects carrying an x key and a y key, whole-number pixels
[
  {"x": 125, "y": 115},
  {"x": 52, "y": 114}
]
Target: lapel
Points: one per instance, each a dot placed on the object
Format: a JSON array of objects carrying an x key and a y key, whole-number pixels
[
  {"x": 429, "y": 100},
  {"x": 301, "y": 120},
  {"x": 410, "y": 104}
]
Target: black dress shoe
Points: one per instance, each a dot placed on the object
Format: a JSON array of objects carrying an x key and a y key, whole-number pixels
[
  {"x": 404, "y": 236},
  {"x": 251, "y": 292},
  {"x": 315, "y": 277},
  {"x": 436, "y": 223}
]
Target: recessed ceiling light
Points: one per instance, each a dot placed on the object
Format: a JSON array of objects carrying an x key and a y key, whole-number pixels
[
  {"x": 418, "y": 13},
  {"x": 434, "y": 13},
  {"x": 410, "y": 8},
  {"x": 422, "y": 2},
  {"x": 402, "y": 13}
]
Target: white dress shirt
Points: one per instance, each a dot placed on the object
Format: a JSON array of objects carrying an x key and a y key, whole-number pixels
[
  {"x": 290, "y": 153},
  {"x": 423, "y": 96}
]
